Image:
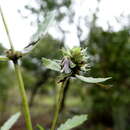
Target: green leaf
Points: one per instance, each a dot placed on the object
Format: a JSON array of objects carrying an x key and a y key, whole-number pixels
[
  {"x": 40, "y": 127},
  {"x": 43, "y": 27},
  {"x": 4, "y": 58},
  {"x": 72, "y": 123},
  {"x": 50, "y": 64},
  {"x": 9, "y": 123},
  {"x": 92, "y": 80},
  {"x": 42, "y": 30}
]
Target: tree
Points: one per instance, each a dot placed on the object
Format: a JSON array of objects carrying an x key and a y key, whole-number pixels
[{"x": 111, "y": 52}]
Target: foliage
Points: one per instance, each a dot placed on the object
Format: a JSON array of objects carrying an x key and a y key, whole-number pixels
[
  {"x": 74, "y": 62},
  {"x": 14, "y": 56},
  {"x": 49, "y": 5},
  {"x": 91, "y": 80},
  {"x": 32, "y": 66},
  {"x": 72, "y": 123},
  {"x": 3, "y": 58},
  {"x": 8, "y": 124},
  {"x": 5, "y": 75},
  {"x": 40, "y": 127},
  {"x": 51, "y": 64},
  {"x": 110, "y": 53},
  {"x": 42, "y": 30},
  {"x": 71, "y": 64}
]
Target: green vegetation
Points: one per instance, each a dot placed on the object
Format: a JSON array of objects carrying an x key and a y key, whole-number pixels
[
  {"x": 14, "y": 56},
  {"x": 55, "y": 97},
  {"x": 8, "y": 124}
]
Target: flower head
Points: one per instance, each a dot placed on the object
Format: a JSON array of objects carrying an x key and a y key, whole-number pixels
[{"x": 74, "y": 60}]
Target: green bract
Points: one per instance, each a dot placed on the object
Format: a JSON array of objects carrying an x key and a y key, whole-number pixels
[
  {"x": 74, "y": 61},
  {"x": 50, "y": 64},
  {"x": 91, "y": 79},
  {"x": 78, "y": 59}
]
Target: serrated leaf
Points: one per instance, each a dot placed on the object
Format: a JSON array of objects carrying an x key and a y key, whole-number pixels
[
  {"x": 92, "y": 80},
  {"x": 50, "y": 64},
  {"x": 9, "y": 123},
  {"x": 4, "y": 58},
  {"x": 40, "y": 127},
  {"x": 72, "y": 123},
  {"x": 42, "y": 30}
]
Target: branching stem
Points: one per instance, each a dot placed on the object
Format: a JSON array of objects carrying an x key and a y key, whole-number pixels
[{"x": 20, "y": 80}]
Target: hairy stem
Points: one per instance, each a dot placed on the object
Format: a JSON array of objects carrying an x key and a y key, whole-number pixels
[
  {"x": 64, "y": 96},
  {"x": 23, "y": 96},
  {"x": 58, "y": 104},
  {"x": 6, "y": 29}
]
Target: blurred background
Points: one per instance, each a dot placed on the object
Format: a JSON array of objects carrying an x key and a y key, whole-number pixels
[{"x": 100, "y": 25}]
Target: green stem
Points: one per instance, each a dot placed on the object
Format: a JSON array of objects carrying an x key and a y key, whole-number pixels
[
  {"x": 24, "y": 97},
  {"x": 20, "y": 79},
  {"x": 58, "y": 104},
  {"x": 6, "y": 29}
]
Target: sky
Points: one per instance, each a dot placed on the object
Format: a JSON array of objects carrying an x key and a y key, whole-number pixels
[{"x": 21, "y": 30}]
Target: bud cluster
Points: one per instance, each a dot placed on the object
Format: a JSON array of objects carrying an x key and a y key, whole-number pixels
[
  {"x": 13, "y": 55},
  {"x": 75, "y": 60}
]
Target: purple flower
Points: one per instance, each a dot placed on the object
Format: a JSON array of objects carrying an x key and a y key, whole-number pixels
[{"x": 65, "y": 65}]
